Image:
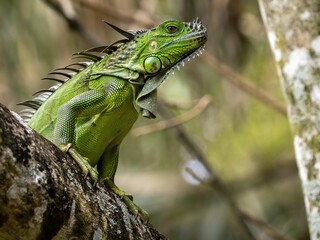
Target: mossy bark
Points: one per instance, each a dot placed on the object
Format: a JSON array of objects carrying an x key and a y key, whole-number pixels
[
  {"x": 293, "y": 29},
  {"x": 43, "y": 193}
]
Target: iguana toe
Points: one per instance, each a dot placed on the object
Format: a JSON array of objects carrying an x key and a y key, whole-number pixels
[
  {"x": 128, "y": 200},
  {"x": 84, "y": 164}
]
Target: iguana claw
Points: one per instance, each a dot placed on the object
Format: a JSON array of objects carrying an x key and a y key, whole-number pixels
[
  {"x": 65, "y": 148},
  {"x": 135, "y": 209},
  {"x": 128, "y": 199},
  {"x": 82, "y": 162}
]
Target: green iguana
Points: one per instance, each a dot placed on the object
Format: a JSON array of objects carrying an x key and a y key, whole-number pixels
[{"x": 96, "y": 102}]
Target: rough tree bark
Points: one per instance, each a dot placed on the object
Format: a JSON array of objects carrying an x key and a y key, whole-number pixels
[
  {"x": 294, "y": 35},
  {"x": 43, "y": 193}
]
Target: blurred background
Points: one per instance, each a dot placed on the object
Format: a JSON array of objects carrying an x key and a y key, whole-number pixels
[{"x": 246, "y": 142}]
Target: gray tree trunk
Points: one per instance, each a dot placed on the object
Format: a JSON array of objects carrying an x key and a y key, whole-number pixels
[
  {"x": 43, "y": 193},
  {"x": 293, "y": 29}
]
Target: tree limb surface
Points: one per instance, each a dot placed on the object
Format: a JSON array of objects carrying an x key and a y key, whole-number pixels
[
  {"x": 294, "y": 36},
  {"x": 44, "y": 195}
]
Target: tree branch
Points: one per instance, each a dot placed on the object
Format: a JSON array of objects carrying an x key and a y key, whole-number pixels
[
  {"x": 244, "y": 84},
  {"x": 44, "y": 194},
  {"x": 66, "y": 11}
]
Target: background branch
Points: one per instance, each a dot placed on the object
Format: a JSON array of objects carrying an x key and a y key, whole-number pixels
[
  {"x": 65, "y": 10},
  {"x": 243, "y": 83}
]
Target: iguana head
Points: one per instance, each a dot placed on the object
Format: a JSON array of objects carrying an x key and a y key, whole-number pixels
[
  {"x": 160, "y": 50},
  {"x": 166, "y": 45}
]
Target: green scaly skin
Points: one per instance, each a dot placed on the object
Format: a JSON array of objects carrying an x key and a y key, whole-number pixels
[{"x": 89, "y": 114}]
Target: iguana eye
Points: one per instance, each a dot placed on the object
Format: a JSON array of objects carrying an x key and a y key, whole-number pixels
[
  {"x": 171, "y": 28},
  {"x": 152, "y": 64}
]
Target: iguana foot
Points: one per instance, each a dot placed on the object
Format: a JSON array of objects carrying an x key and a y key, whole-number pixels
[
  {"x": 128, "y": 199},
  {"x": 83, "y": 162}
]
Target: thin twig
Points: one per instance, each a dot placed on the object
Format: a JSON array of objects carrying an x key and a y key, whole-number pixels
[
  {"x": 72, "y": 20},
  {"x": 174, "y": 121},
  {"x": 99, "y": 7},
  {"x": 264, "y": 226},
  {"x": 243, "y": 83},
  {"x": 178, "y": 104}
]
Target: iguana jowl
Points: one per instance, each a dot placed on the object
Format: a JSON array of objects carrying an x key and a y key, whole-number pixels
[{"x": 88, "y": 113}]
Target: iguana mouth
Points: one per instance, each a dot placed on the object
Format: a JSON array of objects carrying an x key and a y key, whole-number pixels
[
  {"x": 187, "y": 58},
  {"x": 198, "y": 32}
]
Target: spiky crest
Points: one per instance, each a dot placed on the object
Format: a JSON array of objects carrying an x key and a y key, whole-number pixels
[
  {"x": 127, "y": 34},
  {"x": 91, "y": 56}
]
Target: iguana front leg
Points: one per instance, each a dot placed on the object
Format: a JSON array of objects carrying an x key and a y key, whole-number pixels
[{"x": 88, "y": 104}]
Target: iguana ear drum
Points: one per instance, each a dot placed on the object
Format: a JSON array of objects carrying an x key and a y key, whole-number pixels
[{"x": 152, "y": 64}]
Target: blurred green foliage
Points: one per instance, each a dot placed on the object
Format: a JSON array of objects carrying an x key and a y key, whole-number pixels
[{"x": 248, "y": 144}]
